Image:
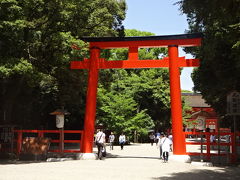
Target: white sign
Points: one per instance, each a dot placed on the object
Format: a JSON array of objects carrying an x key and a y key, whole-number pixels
[{"x": 60, "y": 121}]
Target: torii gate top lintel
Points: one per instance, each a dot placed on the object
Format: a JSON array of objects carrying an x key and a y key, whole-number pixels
[
  {"x": 183, "y": 40},
  {"x": 133, "y": 43}
]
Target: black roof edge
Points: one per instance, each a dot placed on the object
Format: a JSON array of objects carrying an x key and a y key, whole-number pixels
[{"x": 143, "y": 38}]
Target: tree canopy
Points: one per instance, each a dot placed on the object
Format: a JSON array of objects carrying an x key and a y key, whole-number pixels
[
  {"x": 36, "y": 37},
  {"x": 135, "y": 100},
  {"x": 35, "y": 43},
  {"x": 218, "y": 73}
]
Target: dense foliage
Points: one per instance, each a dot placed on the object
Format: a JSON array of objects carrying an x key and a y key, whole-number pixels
[
  {"x": 220, "y": 61},
  {"x": 134, "y": 100},
  {"x": 35, "y": 79},
  {"x": 35, "y": 45}
]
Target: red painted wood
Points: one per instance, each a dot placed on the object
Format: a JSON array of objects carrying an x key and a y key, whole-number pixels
[
  {"x": 173, "y": 62},
  {"x": 127, "y": 64},
  {"x": 90, "y": 113},
  {"x": 146, "y": 43},
  {"x": 133, "y": 54},
  {"x": 207, "y": 135},
  {"x": 40, "y": 133},
  {"x": 72, "y": 141},
  {"x": 179, "y": 147},
  {"x": 19, "y": 143},
  {"x": 37, "y": 131},
  {"x": 65, "y": 151},
  {"x": 232, "y": 145},
  {"x": 80, "y": 64}
]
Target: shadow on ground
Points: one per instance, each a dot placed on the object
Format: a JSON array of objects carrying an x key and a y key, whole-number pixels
[{"x": 227, "y": 173}]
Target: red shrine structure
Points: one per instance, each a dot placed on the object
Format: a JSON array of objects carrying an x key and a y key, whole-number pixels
[
  {"x": 173, "y": 62},
  {"x": 203, "y": 116}
]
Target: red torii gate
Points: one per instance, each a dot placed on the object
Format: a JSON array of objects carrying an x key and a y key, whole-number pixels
[{"x": 133, "y": 43}]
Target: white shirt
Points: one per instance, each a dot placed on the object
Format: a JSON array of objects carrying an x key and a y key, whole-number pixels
[
  {"x": 100, "y": 137},
  {"x": 111, "y": 138},
  {"x": 122, "y": 138},
  {"x": 151, "y": 136},
  {"x": 166, "y": 144}
]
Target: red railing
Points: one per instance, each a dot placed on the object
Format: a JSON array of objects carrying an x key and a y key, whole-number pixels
[
  {"x": 203, "y": 139},
  {"x": 61, "y": 141}
]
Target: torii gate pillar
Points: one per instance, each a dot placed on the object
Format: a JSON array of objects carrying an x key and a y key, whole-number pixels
[
  {"x": 176, "y": 105},
  {"x": 90, "y": 113}
]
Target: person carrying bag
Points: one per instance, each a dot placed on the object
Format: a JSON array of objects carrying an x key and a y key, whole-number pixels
[
  {"x": 100, "y": 140},
  {"x": 165, "y": 143}
]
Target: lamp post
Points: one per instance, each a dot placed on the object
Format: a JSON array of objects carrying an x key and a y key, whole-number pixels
[{"x": 60, "y": 113}]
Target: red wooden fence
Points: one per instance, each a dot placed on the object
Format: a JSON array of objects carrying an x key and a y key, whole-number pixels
[
  {"x": 232, "y": 143},
  {"x": 41, "y": 133}
]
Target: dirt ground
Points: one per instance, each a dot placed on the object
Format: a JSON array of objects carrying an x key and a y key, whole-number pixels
[{"x": 138, "y": 161}]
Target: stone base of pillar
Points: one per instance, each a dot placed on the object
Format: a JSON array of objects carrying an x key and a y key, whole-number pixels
[
  {"x": 208, "y": 164},
  {"x": 87, "y": 156},
  {"x": 180, "y": 158}
]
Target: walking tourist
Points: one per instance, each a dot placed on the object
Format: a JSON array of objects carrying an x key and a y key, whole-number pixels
[
  {"x": 100, "y": 142},
  {"x": 157, "y": 137},
  {"x": 111, "y": 140},
  {"x": 122, "y": 140},
  {"x": 165, "y": 143},
  {"x": 161, "y": 135},
  {"x": 152, "y": 138}
]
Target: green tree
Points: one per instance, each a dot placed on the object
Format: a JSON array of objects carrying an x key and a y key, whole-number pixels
[
  {"x": 35, "y": 45},
  {"x": 134, "y": 100},
  {"x": 218, "y": 73}
]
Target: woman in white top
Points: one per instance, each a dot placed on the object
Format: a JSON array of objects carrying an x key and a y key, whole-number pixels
[{"x": 165, "y": 143}]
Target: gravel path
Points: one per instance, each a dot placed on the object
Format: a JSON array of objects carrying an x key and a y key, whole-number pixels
[{"x": 139, "y": 161}]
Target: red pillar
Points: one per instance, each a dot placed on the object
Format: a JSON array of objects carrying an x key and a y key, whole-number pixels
[
  {"x": 208, "y": 146},
  {"x": 179, "y": 147},
  {"x": 90, "y": 112},
  {"x": 19, "y": 141}
]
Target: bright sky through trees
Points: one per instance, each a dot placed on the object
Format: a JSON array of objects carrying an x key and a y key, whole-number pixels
[{"x": 161, "y": 17}]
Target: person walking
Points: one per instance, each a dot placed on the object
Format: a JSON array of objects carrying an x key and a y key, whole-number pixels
[
  {"x": 166, "y": 146},
  {"x": 157, "y": 137},
  {"x": 111, "y": 140},
  {"x": 122, "y": 140},
  {"x": 100, "y": 142},
  {"x": 161, "y": 135},
  {"x": 152, "y": 138}
]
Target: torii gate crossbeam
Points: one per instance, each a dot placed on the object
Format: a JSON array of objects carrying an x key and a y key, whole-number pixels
[{"x": 173, "y": 62}]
